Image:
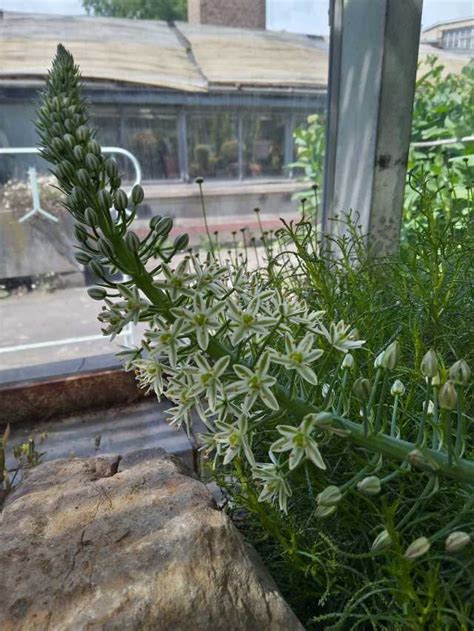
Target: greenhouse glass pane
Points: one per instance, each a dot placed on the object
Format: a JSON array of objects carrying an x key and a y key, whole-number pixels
[
  {"x": 152, "y": 136},
  {"x": 264, "y": 141},
  {"x": 213, "y": 144}
]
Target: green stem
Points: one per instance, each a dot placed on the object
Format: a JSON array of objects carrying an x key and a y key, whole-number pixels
[
  {"x": 460, "y": 430},
  {"x": 393, "y": 424},
  {"x": 204, "y": 215},
  {"x": 381, "y": 402},
  {"x": 374, "y": 389},
  {"x": 421, "y": 429}
]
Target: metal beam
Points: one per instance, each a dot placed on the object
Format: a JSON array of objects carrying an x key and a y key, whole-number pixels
[
  {"x": 373, "y": 61},
  {"x": 183, "y": 146},
  {"x": 113, "y": 95}
]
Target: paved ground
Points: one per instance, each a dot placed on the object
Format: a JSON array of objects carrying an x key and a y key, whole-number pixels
[
  {"x": 57, "y": 318},
  {"x": 39, "y": 316}
]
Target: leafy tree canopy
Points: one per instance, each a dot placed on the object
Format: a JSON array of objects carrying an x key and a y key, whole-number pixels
[{"x": 138, "y": 9}]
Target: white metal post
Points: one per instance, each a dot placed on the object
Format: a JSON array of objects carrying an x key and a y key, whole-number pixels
[{"x": 372, "y": 74}]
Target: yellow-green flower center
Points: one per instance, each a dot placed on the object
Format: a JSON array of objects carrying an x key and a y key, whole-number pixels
[
  {"x": 200, "y": 319},
  {"x": 296, "y": 357}
]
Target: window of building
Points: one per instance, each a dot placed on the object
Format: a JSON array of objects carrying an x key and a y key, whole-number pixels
[
  {"x": 152, "y": 136},
  {"x": 264, "y": 144},
  {"x": 213, "y": 144}
]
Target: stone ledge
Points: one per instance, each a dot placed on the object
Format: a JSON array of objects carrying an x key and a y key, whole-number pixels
[{"x": 130, "y": 543}]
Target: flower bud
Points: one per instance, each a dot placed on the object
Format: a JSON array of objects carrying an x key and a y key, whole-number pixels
[
  {"x": 381, "y": 541},
  {"x": 111, "y": 167},
  {"x": 429, "y": 364},
  {"x": 96, "y": 268},
  {"x": 429, "y": 409},
  {"x": 115, "y": 182},
  {"x": 63, "y": 171},
  {"x": 83, "y": 133},
  {"x": 105, "y": 199},
  {"x": 120, "y": 200},
  {"x": 181, "y": 242},
  {"x": 69, "y": 140},
  {"x": 447, "y": 396},
  {"x": 91, "y": 217},
  {"x": 105, "y": 247},
  {"x": 324, "y": 511},
  {"x": 348, "y": 362},
  {"x": 132, "y": 241},
  {"x": 417, "y": 548},
  {"x": 322, "y": 420},
  {"x": 82, "y": 258},
  {"x": 76, "y": 197},
  {"x": 361, "y": 388},
  {"x": 379, "y": 360},
  {"x": 58, "y": 145},
  {"x": 199, "y": 180},
  {"x": 436, "y": 380},
  {"x": 417, "y": 459},
  {"x": 92, "y": 162},
  {"x": 56, "y": 129},
  {"x": 137, "y": 194},
  {"x": 460, "y": 373},
  {"x": 164, "y": 226},
  {"x": 69, "y": 125},
  {"x": 80, "y": 233},
  {"x": 78, "y": 153},
  {"x": 391, "y": 356},
  {"x": 97, "y": 293},
  {"x": 154, "y": 220},
  {"x": 93, "y": 147},
  {"x": 330, "y": 496},
  {"x": 397, "y": 389},
  {"x": 370, "y": 485},
  {"x": 83, "y": 178},
  {"x": 457, "y": 541}
]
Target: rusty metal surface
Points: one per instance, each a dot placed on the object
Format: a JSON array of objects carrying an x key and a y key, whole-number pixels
[{"x": 39, "y": 401}]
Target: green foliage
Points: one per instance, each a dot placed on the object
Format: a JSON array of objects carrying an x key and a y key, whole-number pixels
[
  {"x": 443, "y": 108},
  {"x": 26, "y": 456},
  {"x": 357, "y": 487},
  {"x": 138, "y": 9},
  {"x": 423, "y": 296},
  {"x": 310, "y": 141}
]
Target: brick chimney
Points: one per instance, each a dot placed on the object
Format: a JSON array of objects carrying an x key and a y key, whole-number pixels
[{"x": 240, "y": 13}]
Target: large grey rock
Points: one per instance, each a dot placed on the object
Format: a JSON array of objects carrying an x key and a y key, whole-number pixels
[{"x": 128, "y": 544}]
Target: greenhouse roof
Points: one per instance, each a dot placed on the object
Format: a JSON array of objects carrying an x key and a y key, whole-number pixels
[{"x": 169, "y": 56}]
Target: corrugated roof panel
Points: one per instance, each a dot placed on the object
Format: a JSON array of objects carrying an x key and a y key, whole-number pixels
[
  {"x": 137, "y": 51},
  {"x": 259, "y": 58},
  {"x": 185, "y": 57}
]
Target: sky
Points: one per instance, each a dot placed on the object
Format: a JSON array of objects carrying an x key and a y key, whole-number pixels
[{"x": 298, "y": 16}]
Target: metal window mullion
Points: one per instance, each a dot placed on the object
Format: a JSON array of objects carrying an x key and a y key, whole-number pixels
[
  {"x": 183, "y": 146},
  {"x": 373, "y": 61},
  {"x": 288, "y": 157},
  {"x": 240, "y": 140}
]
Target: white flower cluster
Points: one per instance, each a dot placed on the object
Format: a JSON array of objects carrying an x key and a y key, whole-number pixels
[{"x": 269, "y": 338}]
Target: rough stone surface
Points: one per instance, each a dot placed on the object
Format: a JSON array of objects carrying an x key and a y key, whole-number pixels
[{"x": 131, "y": 544}]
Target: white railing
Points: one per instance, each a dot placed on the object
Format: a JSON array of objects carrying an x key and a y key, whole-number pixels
[
  {"x": 439, "y": 143},
  {"x": 127, "y": 332}
]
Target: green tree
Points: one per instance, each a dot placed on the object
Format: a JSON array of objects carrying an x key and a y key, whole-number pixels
[{"x": 138, "y": 9}]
